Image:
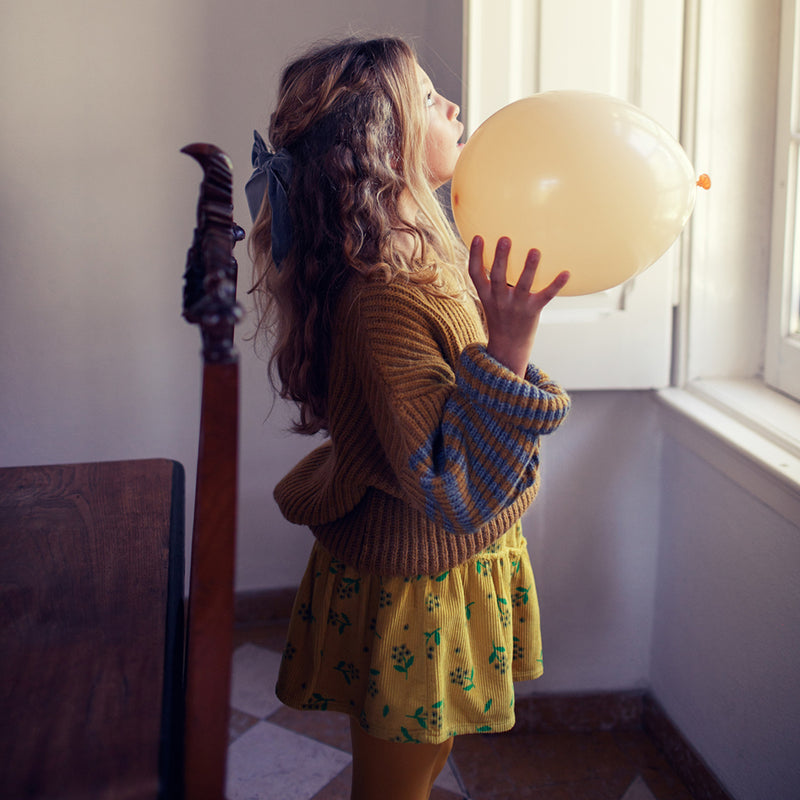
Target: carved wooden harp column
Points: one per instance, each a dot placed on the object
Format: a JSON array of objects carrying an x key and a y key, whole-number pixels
[{"x": 209, "y": 299}]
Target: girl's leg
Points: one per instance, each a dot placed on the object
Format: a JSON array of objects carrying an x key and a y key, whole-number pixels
[
  {"x": 444, "y": 753},
  {"x": 385, "y": 770}
]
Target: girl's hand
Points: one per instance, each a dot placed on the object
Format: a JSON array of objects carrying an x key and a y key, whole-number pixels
[{"x": 512, "y": 312}]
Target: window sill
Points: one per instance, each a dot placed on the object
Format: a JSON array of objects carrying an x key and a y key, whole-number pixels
[{"x": 745, "y": 430}]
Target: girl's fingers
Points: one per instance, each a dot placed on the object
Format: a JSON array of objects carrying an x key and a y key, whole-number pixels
[
  {"x": 528, "y": 273},
  {"x": 499, "y": 272},
  {"x": 476, "y": 271},
  {"x": 500, "y": 263},
  {"x": 554, "y": 287}
]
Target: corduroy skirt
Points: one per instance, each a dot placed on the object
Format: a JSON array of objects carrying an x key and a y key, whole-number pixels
[{"x": 416, "y": 659}]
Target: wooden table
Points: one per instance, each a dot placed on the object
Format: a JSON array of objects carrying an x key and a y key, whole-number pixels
[{"x": 91, "y": 629}]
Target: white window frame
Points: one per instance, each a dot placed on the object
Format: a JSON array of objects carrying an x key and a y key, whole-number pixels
[
  {"x": 782, "y": 363},
  {"x": 720, "y": 405},
  {"x": 731, "y": 121}
]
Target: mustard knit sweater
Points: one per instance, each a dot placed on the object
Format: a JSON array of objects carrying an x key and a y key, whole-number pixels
[{"x": 434, "y": 446}]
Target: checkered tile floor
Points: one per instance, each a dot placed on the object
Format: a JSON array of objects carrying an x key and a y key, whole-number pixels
[{"x": 277, "y": 753}]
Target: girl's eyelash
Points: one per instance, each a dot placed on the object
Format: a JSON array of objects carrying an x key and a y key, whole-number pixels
[{"x": 429, "y": 99}]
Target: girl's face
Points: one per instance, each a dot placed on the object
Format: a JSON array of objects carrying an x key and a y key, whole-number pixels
[{"x": 444, "y": 130}]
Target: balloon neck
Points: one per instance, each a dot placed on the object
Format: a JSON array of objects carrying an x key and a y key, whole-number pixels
[{"x": 704, "y": 182}]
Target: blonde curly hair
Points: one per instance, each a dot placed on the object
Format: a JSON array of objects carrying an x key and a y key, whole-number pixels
[{"x": 352, "y": 117}]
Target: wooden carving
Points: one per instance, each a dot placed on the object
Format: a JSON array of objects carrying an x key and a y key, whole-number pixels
[{"x": 209, "y": 292}]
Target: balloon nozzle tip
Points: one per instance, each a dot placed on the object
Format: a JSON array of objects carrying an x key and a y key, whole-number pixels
[{"x": 704, "y": 182}]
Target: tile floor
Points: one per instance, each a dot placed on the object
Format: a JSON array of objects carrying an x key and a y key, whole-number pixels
[{"x": 282, "y": 754}]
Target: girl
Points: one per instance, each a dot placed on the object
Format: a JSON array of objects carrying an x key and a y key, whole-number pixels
[{"x": 418, "y": 607}]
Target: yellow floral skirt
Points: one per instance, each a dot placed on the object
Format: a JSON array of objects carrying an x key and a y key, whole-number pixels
[{"x": 415, "y": 659}]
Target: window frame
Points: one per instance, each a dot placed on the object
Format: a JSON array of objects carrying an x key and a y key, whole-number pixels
[
  {"x": 720, "y": 405},
  {"x": 782, "y": 351}
]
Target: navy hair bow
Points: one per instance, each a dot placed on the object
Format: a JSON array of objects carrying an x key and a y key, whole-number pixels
[{"x": 272, "y": 173}]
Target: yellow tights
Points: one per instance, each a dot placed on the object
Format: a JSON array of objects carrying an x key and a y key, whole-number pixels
[{"x": 384, "y": 770}]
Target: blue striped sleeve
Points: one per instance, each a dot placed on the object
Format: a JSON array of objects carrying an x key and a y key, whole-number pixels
[{"x": 486, "y": 451}]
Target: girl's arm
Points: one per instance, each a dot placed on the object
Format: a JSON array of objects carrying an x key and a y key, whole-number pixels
[{"x": 462, "y": 442}]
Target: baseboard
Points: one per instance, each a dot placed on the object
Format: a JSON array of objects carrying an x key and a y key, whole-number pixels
[
  {"x": 608, "y": 711},
  {"x": 263, "y": 605},
  {"x": 603, "y": 711},
  {"x": 684, "y": 759},
  {"x": 577, "y": 713}
]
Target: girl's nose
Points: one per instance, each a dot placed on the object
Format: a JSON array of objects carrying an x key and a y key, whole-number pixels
[{"x": 454, "y": 110}]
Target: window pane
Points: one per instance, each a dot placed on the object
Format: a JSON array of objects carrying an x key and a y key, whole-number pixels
[{"x": 793, "y": 282}]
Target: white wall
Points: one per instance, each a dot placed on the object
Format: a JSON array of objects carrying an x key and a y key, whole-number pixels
[
  {"x": 727, "y": 625},
  {"x": 726, "y": 628},
  {"x": 593, "y": 535}
]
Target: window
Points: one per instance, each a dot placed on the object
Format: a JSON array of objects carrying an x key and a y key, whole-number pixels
[
  {"x": 621, "y": 338},
  {"x": 726, "y": 329},
  {"x": 782, "y": 367},
  {"x": 708, "y": 72}
]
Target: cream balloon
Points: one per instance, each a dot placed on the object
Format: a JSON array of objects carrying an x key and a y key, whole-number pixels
[{"x": 600, "y": 188}]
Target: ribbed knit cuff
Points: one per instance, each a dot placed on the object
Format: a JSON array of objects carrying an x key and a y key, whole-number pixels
[{"x": 534, "y": 401}]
